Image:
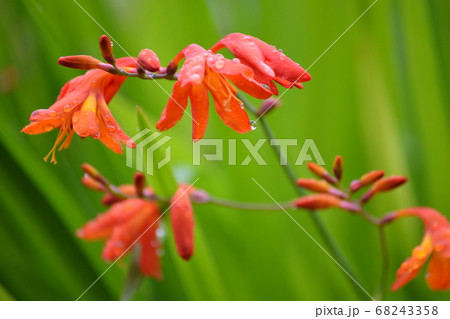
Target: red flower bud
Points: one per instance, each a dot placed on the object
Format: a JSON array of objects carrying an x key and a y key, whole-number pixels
[
  {"x": 148, "y": 60},
  {"x": 81, "y": 62},
  {"x": 106, "y": 47},
  {"x": 365, "y": 180},
  {"x": 318, "y": 201},
  {"x": 383, "y": 185},
  {"x": 389, "y": 183},
  {"x": 338, "y": 167},
  {"x": 139, "y": 183},
  {"x": 91, "y": 183},
  {"x": 321, "y": 172},
  {"x": 182, "y": 219}
]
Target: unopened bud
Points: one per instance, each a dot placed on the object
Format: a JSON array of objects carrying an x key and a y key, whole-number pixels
[
  {"x": 365, "y": 180},
  {"x": 139, "y": 183},
  {"x": 321, "y": 172},
  {"x": 91, "y": 183},
  {"x": 269, "y": 105},
  {"x": 389, "y": 183},
  {"x": 106, "y": 47},
  {"x": 148, "y": 60},
  {"x": 81, "y": 62},
  {"x": 338, "y": 167},
  {"x": 314, "y": 185},
  {"x": 318, "y": 201}
]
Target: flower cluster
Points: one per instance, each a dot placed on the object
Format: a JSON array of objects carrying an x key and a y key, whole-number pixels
[
  {"x": 435, "y": 242},
  {"x": 135, "y": 210},
  {"x": 82, "y": 105},
  {"x": 332, "y": 194},
  {"x": 133, "y": 218}
]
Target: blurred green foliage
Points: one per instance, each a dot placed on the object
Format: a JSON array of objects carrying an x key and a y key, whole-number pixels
[{"x": 379, "y": 97}]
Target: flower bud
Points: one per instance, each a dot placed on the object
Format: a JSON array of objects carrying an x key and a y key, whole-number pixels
[
  {"x": 269, "y": 105},
  {"x": 338, "y": 167},
  {"x": 383, "y": 185},
  {"x": 91, "y": 171},
  {"x": 106, "y": 47},
  {"x": 389, "y": 183},
  {"x": 139, "y": 183},
  {"x": 314, "y": 185},
  {"x": 81, "y": 62},
  {"x": 148, "y": 60},
  {"x": 321, "y": 172},
  {"x": 91, "y": 183},
  {"x": 365, "y": 180},
  {"x": 318, "y": 201}
]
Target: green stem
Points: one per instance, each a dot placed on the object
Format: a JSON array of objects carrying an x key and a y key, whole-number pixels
[
  {"x": 332, "y": 247},
  {"x": 385, "y": 263},
  {"x": 249, "y": 206}
]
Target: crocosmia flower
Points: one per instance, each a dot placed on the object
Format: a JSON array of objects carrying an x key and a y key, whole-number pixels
[
  {"x": 127, "y": 222},
  {"x": 182, "y": 219},
  {"x": 268, "y": 63},
  {"x": 82, "y": 107},
  {"x": 204, "y": 71},
  {"x": 435, "y": 243}
]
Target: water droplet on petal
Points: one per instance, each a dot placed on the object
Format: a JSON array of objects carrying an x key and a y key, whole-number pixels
[
  {"x": 111, "y": 128},
  {"x": 75, "y": 118},
  {"x": 75, "y": 102},
  {"x": 107, "y": 118},
  {"x": 253, "y": 124},
  {"x": 67, "y": 108},
  {"x": 154, "y": 243},
  {"x": 195, "y": 78},
  {"x": 35, "y": 113},
  {"x": 219, "y": 64},
  {"x": 280, "y": 50},
  {"x": 48, "y": 127},
  {"x": 51, "y": 113}
]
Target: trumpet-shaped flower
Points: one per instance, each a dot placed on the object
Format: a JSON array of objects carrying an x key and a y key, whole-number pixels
[{"x": 82, "y": 107}]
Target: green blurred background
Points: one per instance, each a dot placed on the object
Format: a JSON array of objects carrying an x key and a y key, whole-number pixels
[{"x": 379, "y": 97}]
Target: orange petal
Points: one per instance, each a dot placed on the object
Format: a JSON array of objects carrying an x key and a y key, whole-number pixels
[
  {"x": 200, "y": 110},
  {"x": 84, "y": 120},
  {"x": 182, "y": 219},
  {"x": 175, "y": 107},
  {"x": 41, "y": 127},
  {"x": 411, "y": 266},
  {"x": 240, "y": 75},
  {"x": 438, "y": 276},
  {"x": 149, "y": 259}
]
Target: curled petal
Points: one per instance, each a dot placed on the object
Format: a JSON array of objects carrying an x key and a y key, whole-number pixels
[{"x": 182, "y": 219}]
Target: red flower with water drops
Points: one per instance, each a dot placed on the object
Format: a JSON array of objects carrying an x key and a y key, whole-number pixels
[
  {"x": 82, "y": 107},
  {"x": 435, "y": 243},
  {"x": 182, "y": 219},
  {"x": 268, "y": 63},
  {"x": 204, "y": 71},
  {"x": 125, "y": 224}
]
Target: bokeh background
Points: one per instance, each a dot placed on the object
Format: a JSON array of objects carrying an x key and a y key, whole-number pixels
[{"x": 379, "y": 97}]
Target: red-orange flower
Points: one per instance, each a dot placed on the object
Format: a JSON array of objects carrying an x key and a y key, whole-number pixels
[
  {"x": 82, "y": 107},
  {"x": 127, "y": 222},
  {"x": 182, "y": 219},
  {"x": 268, "y": 63},
  {"x": 435, "y": 243},
  {"x": 204, "y": 71}
]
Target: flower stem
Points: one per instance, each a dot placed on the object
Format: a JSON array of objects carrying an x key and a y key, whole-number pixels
[
  {"x": 332, "y": 247},
  {"x": 249, "y": 206}
]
